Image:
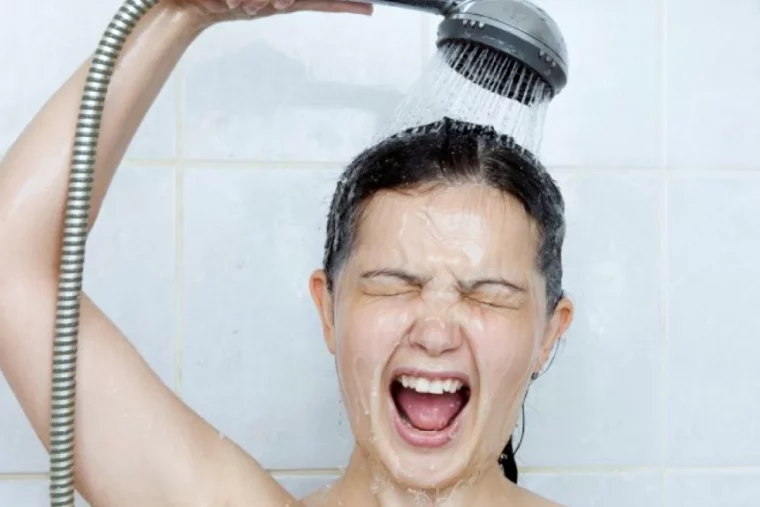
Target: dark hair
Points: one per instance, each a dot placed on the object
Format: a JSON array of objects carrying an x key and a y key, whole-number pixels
[{"x": 451, "y": 151}]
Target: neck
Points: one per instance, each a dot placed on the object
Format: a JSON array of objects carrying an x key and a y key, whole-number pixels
[{"x": 368, "y": 484}]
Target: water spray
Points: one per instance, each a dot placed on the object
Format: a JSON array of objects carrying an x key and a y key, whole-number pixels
[{"x": 527, "y": 65}]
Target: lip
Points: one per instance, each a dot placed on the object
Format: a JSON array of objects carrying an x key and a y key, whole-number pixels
[{"x": 426, "y": 439}]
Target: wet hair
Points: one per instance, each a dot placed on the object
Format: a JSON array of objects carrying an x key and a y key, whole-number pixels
[{"x": 451, "y": 152}]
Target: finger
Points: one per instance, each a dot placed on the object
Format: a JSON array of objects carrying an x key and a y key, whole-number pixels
[
  {"x": 283, "y": 4},
  {"x": 252, "y": 7},
  {"x": 333, "y": 6}
]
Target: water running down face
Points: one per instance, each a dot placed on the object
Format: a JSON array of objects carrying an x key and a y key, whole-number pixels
[{"x": 437, "y": 318}]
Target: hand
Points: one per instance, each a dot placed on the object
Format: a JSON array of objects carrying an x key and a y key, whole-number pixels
[{"x": 210, "y": 12}]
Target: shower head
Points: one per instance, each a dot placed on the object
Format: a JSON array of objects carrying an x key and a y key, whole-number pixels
[
  {"x": 516, "y": 36},
  {"x": 520, "y": 33}
]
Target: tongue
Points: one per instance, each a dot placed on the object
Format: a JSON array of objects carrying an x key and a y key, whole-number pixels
[{"x": 429, "y": 412}]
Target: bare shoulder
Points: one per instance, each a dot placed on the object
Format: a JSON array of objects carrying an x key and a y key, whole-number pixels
[
  {"x": 319, "y": 498},
  {"x": 530, "y": 499}
]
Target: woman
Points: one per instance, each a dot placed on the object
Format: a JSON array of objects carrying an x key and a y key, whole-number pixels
[{"x": 440, "y": 298}]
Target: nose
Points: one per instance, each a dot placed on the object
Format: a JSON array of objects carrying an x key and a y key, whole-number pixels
[{"x": 435, "y": 336}]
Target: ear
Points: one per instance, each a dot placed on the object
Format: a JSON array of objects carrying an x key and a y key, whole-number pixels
[
  {"x": 323, "y": 300},
  {"x": 555, "y": 329}
]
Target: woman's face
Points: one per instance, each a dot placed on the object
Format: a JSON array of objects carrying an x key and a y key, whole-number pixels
[{"x": 437, "y": 321}]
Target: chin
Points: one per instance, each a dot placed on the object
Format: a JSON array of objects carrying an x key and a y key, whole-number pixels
[{"x": 427, "y": 428}]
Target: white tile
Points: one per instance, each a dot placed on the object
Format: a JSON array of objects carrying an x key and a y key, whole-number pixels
[
  {"x": 129, "y": 273},
  {"x": 712, "y": 489},
  {"x": 597, "y": 490},
  {"x": 24, "y": 493},
  {"x": 713, "y": 70},
  {"x": 29, "y": 493},
  {"x": 130, "y": 263},
  {"x": 254, "y": 361},
  {"x": 302, "y": 486},
  {"x": 610, "y": 114},
  {"x": 304, "y": 87},
  {"x": 41, "y": 44},
  {"x": 713, "y": 379},
  {"x": 598, "y": 404}
]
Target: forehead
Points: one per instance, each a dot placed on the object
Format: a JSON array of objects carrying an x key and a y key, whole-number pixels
[{"x": 472, "y": 225}]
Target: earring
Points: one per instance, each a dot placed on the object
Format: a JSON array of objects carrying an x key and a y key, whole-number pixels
[{"x": 534, "y": 376}]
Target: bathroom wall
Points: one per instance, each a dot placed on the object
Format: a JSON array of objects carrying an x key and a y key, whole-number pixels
[{"x": 652, "y": 399}]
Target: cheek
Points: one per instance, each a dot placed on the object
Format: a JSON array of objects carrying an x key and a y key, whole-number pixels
[
  {"x": 372, "y": 330},
  {"x": 506, "y": 348},
  {"x": 367, "y": 335}
]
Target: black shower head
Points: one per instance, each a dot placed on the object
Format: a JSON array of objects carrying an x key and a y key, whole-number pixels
[
  {"x": 518, "y": 37},
  {"x": 514, "y": 34}
]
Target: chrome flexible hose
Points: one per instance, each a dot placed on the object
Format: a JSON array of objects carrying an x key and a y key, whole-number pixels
[{"x": 75, "y": 230}]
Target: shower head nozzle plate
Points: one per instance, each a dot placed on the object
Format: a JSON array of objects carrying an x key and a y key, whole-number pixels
[{"x": 516, "y": 28}]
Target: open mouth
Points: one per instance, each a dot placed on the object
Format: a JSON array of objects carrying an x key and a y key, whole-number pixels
[{"x": 429, "y": 408}]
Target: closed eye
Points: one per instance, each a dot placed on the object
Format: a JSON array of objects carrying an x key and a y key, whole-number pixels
[
  {"x": 495, "y": 294},
  {"x": 490, "y": 284},
  {"x": 397, "y": 275},
  {"x": 391, "y": 282},
  {"x": 388, "y": 292},
  {"x": 514, "y": 303}
]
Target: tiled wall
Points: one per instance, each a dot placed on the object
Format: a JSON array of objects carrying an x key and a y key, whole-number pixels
[{"x": 653, "y": 399}]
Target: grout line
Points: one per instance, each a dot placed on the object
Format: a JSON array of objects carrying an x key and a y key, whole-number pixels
[
  {"x": 664, "y": 258},
  {"x": 664, "y": 84},
  {"x": 23, "y": 477},
  {"x": 588, "y": 470},
  {"x": 641, "y": 469},
  {"x": 664, "y": 286},
  {"x": 179, "y": 177},
  {"x": 239, "y": 164}
]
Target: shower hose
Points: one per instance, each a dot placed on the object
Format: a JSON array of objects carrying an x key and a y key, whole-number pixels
[{"x": 75, "y": 231}]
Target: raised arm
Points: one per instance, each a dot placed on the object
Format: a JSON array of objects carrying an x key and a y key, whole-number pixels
[{"x": 136, "y": 442}]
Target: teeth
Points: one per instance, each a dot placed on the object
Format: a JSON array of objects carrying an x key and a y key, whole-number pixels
[{"x": 423, "y": 385}]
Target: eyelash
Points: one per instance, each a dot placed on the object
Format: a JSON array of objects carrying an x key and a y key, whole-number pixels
[
  {"x": 411, "y": 291},
  {"x": 391, "y": 293},
  {"x": 480, "y": 302}
]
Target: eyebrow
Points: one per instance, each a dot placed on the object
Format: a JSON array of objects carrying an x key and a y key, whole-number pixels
[{"x": 467, "y": 286}]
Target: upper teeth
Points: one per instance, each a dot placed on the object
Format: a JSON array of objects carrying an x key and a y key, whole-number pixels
[{"x": 423, "y": 385}]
